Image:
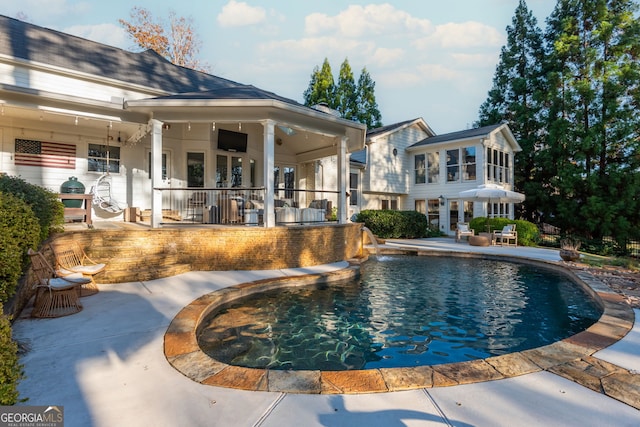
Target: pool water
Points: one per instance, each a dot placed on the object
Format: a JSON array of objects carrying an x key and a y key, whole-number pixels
[{"x": 403, "y": 311}]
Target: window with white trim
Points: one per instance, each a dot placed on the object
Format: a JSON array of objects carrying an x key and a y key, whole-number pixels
[
  {"x": 498, "y": 166},
  {"x": 420, "y": 168}
]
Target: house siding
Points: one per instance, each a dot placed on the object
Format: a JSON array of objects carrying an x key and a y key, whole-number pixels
[{"x": 386, "y": 177}]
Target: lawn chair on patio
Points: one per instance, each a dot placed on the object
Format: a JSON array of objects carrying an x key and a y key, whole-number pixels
[
  {"x": 507, "y": 235},
  {"x": 463, "y": 230},
  {"x": 72, "y": 259},
  {"x": 55, "y": 296}
]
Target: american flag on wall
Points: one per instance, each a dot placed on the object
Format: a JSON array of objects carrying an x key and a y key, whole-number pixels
[{"x": 50, "y": 154}]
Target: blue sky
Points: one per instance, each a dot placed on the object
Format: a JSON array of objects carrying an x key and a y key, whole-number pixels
[{"x": 428, "y": 58}]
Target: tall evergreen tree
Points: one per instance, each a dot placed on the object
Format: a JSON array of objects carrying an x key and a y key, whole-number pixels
[
  {"x": 516, "y": 98},
  {"x": 368, "y": 112},
  {"x": 357, "y": 103},
  {"x": 346, "y": 93},
  {"x": 591, "y": 155},
  {"x": 321, "y": 88}
]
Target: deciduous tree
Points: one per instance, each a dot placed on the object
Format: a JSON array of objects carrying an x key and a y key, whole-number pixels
[{"x": 176, "y": 41}]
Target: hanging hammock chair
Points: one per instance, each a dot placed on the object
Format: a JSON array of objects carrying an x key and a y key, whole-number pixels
[
  {"x": 102, "y": 189},
  {"x": 102, "y": 196}
]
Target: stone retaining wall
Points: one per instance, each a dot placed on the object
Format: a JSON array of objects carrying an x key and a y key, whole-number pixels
[{"x": 146, "y": 254}]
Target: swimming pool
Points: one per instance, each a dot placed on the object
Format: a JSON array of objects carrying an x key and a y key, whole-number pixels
[{"x": 403, "y": 311}]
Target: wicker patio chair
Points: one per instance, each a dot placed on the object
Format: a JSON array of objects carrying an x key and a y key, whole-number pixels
[
  {"x": 72, "y": 259},
  {"x": 55, "y": 296}
]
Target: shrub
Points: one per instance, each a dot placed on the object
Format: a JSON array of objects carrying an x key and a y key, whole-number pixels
[
  {"x": 528, "y": 233},
  {"x": 44, "y": 203},
  {"x": 19, "y": 231},
  {"x": 10, "y": 370},
  {"x": 395, "y": 224}
]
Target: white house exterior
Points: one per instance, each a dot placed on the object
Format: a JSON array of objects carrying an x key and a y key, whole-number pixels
[
  {"x": 406, "y": 166},
  {"x": 72, "y": 107}
]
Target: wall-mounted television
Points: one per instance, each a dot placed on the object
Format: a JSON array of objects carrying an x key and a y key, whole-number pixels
[{"x": 232, "y": 141}]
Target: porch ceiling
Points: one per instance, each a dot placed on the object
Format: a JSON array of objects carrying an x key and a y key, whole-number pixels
[{"x": 316, "y": 133}]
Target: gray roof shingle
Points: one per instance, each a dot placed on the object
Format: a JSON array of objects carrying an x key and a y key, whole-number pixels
[
  {"x": 30, "y": 42},
  {"x": 453, "y": 136}
]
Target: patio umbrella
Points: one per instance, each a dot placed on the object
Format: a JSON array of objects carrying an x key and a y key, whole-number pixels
[{"x": 491, "y": 194}]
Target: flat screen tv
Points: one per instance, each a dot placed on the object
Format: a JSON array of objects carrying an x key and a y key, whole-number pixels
[{"x": 232, "y": 141}]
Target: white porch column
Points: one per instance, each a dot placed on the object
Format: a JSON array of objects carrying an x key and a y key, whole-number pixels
[
  {"x": 156, "y": 176},
  {"x": 269, "y": 214},
  {"x": 343, "y": 167}
]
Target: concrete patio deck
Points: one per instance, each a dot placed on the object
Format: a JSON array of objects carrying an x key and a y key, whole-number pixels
[{"x": 107, "y": 367}]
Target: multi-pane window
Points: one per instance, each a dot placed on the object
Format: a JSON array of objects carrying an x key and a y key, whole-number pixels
[
  {"x": 433, "y": 213},
  {"x": 461, "y": 160},
  {"x": 353, "y": 189},
  {"x": 453, "y": 165},
  {"x": 427, "y": 168},
  {"x": 498, "y": 166},
  {"x": 389, "y": 204},
  {"x": 420, "y": 168},
  {"x": 498, "y": 210},
  {"x": 433, "y": 166},
  {"x": 469, "y": 164},
  {"x": 103, "y": 158}
]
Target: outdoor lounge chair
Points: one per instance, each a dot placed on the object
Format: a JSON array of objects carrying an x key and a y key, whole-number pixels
[
  {"x": 72, "y": 259},
  {"x": 463, "y": 230},
  {"x": 507, "y": 235},
  {"x": 55, "y": 296}
]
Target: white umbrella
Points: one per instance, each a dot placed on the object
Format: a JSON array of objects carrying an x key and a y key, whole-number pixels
[{"x": 492, "y": 194}]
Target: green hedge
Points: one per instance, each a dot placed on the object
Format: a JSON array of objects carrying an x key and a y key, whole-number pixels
[
  {"x": 44, "y": 203},
  {"x": 19, "y": 231},
  {"x": 528, "y": 233},
  {"x": 11, "y": 372},
  {"x": 389, "y": 224}
]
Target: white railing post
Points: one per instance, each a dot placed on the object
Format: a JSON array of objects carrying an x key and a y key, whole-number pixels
[{"x": 156, "y": 176}]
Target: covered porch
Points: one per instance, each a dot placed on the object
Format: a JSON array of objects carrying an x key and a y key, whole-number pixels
[{"x": 247, "y": 158}]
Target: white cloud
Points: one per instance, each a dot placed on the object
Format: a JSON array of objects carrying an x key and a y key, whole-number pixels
[
  {"x": 239, "y": 14},
  {"x": 385, "y": 56},
  {"x": 359, "y": 21},
  {"x": 469, "y": 34},
  {"x": 476, "y": 60},
  {"x": 110, "y": 34},
  {"x": 316, "y": 48}
]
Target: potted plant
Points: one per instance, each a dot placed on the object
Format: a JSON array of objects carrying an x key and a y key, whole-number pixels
[{"x": 569, "y": 249}]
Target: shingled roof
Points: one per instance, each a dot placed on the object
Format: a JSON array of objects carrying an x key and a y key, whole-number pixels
[
  {"x": 30, "y": 42},
  {"x": 235, "y": 92},
  {"x": 459, "y": 135}
]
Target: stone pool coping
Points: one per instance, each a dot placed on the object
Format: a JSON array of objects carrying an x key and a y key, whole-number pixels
[{"x": 571, "y": 358}]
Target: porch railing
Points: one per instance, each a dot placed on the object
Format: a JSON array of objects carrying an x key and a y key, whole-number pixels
[{"x": 245, "y": 206}]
